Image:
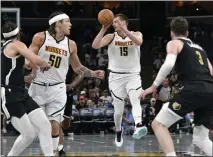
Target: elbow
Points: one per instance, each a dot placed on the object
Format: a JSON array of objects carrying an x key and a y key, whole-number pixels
[
  {"x": 139, "y": 42},
  {"x": 95, "y": 46}
]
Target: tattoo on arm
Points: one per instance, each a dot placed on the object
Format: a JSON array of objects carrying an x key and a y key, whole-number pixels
[
  {"x": 87, "y": 72},
  {"x": 77, "y": 79}
]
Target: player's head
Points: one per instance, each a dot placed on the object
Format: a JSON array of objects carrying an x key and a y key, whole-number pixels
[
  {"x": 59, "y": 23},
  {"x": 122, "y": 18},
  {"x": 10, "y": 31},
  {"x": 179, "y": 27}
]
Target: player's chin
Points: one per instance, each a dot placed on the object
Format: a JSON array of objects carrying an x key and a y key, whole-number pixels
[{"x": 67, "y": 33}]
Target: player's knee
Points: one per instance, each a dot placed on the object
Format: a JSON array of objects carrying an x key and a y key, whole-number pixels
[
  {"x": 166, "y": 116},
  {"x": 155, "y": 125},
  {"x": 55, "y": 127},
  {"x": 29, "y": 134},
  {"x": 200, "y": 133}
]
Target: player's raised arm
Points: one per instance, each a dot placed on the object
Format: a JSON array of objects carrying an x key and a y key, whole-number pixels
[
  {"x": 101, "y": 40},
  {"x": 105, "y": 17}
]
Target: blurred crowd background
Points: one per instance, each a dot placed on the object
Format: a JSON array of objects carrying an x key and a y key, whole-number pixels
[{"x": 152, "y": 19}]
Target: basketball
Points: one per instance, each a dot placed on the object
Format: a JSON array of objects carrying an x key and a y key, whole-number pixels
[{"x": 105, "y": 16}]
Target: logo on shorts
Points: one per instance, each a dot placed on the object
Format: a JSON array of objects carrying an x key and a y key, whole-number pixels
[{"x": 176, "y": 106}]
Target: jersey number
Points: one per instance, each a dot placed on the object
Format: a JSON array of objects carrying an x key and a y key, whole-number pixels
[
  {"x": 55, "y": 61},
  {"x": 200, "y": 59},
  {"x": 124, "y": 51}
]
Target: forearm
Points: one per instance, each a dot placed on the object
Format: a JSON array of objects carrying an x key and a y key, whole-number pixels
[
  {"x": 126, "y": 120},
  {"x": 135, "y": 39},
  {"x": 77, "y": 79},
  {"x": 97, "y": 41},
  {"x": 84, "y": 71},
  {"x": 165, "y": 69}
]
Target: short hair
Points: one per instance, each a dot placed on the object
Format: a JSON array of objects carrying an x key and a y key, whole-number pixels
[
  {"x": 122, "y": 17},
  {"x": 179, "y": 26},
  {"x": 9, "y": 27}
]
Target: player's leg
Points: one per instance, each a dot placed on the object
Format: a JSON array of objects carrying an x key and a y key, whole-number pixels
[
  {"x": 160, "y": 125},
  {"x": 182, "y": 103},
  {"x": 41, "y": 124},
  {"x": 202, "y": 120},
  {"x": 65, "y": 125},
  {"x": 55, "y": 110},
  {"x": 26, "y": 137},
  {"x": 134, "y": 88},
  {"x": 118, "y": 93},
  {"x": 19, "y": 119}
]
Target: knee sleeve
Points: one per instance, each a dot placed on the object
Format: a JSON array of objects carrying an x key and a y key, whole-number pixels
[
  {"x": 201, "y": 139},
  {"x": 166, "y": 116}
]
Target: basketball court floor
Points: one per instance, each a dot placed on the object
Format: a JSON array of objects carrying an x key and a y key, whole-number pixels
[{"x": 103, "y": 145}]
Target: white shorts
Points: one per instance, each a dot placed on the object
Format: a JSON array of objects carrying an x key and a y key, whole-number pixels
[
  {"x": 51, "y": 99},
  {"x": 121, "y": 84}
]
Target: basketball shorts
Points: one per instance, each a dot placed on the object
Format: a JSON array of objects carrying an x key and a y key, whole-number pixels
[
  {"x": 51, "y": 98},
  {"x": 201, "y": 103},
  {"x": 16, "y": 102},
  {"x": 121, "y": 84}
]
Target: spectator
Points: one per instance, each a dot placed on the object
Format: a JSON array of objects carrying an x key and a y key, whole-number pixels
[
  {"x": 106, "y": 99},
  {"x": 128, "y": 122},
  {"x": 81, "y": 104},
  {"x": 162, "y": 95},
  {"x": 149, "y": 112}
]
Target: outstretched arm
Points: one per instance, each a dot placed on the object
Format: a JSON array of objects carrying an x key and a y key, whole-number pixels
[
  {"x": 173, "y": 49},
  {"x": 78, "y": 67}
]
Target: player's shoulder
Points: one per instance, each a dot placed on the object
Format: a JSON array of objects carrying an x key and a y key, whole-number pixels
[
  {"x": 72, "y": 42},
  {"x": 175, "y": 43},
  {"x": 39, "y": 37},
  {"x": 110, "y": 36},
  {"x": 72, "y": 46},
  {"x": 138, "y": 33}
]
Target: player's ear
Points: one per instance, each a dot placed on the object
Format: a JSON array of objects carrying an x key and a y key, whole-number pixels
[
  {"x": 172, "y": 34},
  {"x": 187, "y": 33}
]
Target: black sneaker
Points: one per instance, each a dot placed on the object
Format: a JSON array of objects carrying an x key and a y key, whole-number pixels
[
  {"x": 61, "y": 153},
  {"x": 119, "y": 138}
]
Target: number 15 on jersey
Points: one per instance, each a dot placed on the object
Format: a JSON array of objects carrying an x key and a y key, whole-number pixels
[{"x": 124, "y": 51}]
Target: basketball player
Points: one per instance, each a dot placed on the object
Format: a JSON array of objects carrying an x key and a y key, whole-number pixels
[
  {"x": 195, "y": 71},
  {"x": 49, "y": 89},
  {"x": 124, "y": 67},
  {"x": 17, "y": 105}
]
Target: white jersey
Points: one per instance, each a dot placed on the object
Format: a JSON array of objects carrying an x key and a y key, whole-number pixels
[
  {"x": 57, "y": 54},
  {"x": 124, "y": 55}
]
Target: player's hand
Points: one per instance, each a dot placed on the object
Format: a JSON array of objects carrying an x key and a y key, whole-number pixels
[
  {"x": 147, "y": 92},
  {"x": 105, "y": 27},
  {"x": 69, "y": 87},
  {"x": 66, "y": 122},
  {"x": 122, "y": 26},
  {"x": 45, "y": 67},
  {"x": 99, "y": 74},
  {"x": 29, "y": 78}
]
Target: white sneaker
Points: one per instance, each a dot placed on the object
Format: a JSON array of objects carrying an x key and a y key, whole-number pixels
[
  {"x": 119, "y": 138},
  {"x": 140, "y": 132}
]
